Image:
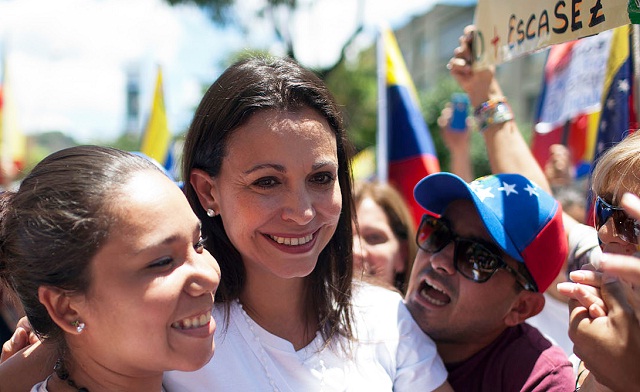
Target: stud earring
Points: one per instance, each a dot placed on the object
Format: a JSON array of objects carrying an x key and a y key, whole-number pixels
[
  {"x": 210, "y": 212},
  {"x": 79, "y": 326}
]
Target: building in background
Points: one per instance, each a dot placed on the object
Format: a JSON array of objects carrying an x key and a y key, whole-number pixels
[
  {"x": 132, "y": 122},
  {"x": 427, "y": 43}
]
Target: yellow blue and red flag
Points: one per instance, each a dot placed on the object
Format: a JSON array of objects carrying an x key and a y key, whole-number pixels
[
  {"x": 405, "y": 150},
  {"x": 587, "y": 100},
  {"x": 618, "y": 116}
]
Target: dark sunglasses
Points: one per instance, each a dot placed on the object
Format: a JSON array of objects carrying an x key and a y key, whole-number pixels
[
  {"x": 471, "y": 258},
  {"x": 626, "y": 227}
]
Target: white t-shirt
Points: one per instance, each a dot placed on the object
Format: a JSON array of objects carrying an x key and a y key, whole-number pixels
[{"x": 391, "y": 353}]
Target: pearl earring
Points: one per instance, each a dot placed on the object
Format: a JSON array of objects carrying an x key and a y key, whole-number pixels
[
  {"x": 79, "y": 326},
  {"x": 210, "y": 212}
]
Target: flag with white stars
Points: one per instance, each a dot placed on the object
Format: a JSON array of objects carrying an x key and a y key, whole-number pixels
[{"x": 618, "y": 114}]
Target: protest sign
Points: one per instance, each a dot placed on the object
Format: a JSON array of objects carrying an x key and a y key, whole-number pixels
[{"x": 507, "y": 29}]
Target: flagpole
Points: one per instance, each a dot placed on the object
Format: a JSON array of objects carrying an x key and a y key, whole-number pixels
[{"x": 382, "y": 154}]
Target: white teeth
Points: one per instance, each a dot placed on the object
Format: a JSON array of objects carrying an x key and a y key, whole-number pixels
[
  {"x": 435, "y": 287},
  {"x": 292, "y": 241},
  {"x": 193, "y": 322},
  {"x": 432, "y": 300},
  {"x": 426, "y": 296}
]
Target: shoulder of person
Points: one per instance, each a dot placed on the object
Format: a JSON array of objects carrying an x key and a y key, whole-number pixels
[{"x": 365, "y": 294}]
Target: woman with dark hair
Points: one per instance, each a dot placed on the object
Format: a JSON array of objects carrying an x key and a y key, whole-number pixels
[
  {"x": 266, "y": 168},
  {"x": 108, "y": 262}
]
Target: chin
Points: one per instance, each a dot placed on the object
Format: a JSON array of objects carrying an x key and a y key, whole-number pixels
[{"x": 193, "y": 362}]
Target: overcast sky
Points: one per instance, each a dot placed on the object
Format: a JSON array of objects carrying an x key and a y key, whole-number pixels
[{"x": 68, "y": 59}]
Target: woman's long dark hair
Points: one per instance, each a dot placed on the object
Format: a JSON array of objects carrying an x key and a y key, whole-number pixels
[{"x": 244, "y": 89}]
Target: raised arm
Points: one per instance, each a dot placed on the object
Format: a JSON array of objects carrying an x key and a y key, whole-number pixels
[{"x": 507, "y": 150}]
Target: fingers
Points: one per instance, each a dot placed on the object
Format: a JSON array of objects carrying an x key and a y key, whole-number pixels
[
  {"x": 584, "y": 296},
  {"x": 18, "y": 341},
  {"x": 631, "y": 204},
  {"x": 462, "y": 56},
  {"x": 625, "y": 267},
  {"x": 469, "y": 30},
  {"x": 586, "y": 276},
  {"x": 445, "y": 116},
  {"x": 459, "y": 66},
  {"x": 24, "y": 323}
]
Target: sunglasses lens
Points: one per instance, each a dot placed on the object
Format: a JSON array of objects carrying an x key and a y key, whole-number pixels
[
  {"x": 474, "y": 261},
  {"x": 433, "y": 234},
  {"x": 626, "y": 227},
  {"x": 603, "y": 212}
]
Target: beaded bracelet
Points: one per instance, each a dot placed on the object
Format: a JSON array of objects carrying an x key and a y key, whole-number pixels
[{"x": 493, "y": 111}]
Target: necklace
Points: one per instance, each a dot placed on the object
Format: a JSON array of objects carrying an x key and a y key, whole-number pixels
[
  {"x": 63, "y": 374},
  {"x": 263, "y": 357},
  {"x": 263, "y": 354}
]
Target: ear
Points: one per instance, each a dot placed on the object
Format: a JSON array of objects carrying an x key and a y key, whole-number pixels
[
  {"x": 401, "y": 262},
  {"x": 61, "y": 306},
  {"x": 205, "y": 188},
  {"x": 527, "y": 304}
]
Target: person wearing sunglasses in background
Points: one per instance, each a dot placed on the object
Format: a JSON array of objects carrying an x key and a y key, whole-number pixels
[
  {"x": 488, "y": 250},
  {"x": 605, "y": 304},
  {"x": 508, "y": 152}
]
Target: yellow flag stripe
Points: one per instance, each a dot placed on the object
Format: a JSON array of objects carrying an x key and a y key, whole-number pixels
[{"x": 157, "y": 136}]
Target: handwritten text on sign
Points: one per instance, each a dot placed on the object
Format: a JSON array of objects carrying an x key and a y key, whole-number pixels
[{"x": 511, "y": 28}]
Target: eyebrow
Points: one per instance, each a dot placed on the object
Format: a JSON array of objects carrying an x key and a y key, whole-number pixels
[
  {"x": 282, "y": 169},
  {"x": 167, "y": 241}
]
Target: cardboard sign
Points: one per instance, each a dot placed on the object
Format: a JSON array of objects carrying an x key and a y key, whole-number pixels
[{"x": 511, "y": 28}]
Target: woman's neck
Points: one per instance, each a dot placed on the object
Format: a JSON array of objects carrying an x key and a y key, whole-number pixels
[
  {"x": 84, "y": 372},
  {"x": 282, "y": 307}
]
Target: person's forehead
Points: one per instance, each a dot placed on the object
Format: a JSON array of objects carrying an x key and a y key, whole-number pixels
[
  {"x": 613, "y": 190},
  {"x": 464, "y": 218}
]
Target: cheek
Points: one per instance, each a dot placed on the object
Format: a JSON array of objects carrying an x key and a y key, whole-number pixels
[
  {"x": 330, "y": 205},
  {"x": 419, "y": 264}
]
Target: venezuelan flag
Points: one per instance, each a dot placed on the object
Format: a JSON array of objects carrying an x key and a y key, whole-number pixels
[
  {"x": 618, "y": 117},
  {"x": 405, "y": 147},
  {"x": 618, "y": 110},
  {"x": 157, "y": 137}
]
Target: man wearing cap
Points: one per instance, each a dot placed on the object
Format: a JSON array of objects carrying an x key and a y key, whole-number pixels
[{"x": 488, "y": 250}]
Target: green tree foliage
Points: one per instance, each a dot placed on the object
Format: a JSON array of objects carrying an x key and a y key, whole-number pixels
[
  {"x": 280, "y": 13},
  {"x": 127, "y": 142},
  {"x": 355, "y": 89},
  {"x": 433, "y": 101}
]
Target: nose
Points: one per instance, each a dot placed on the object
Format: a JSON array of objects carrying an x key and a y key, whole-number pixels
[
  {"x": 442, "y": 260},
  {"x": 203, "y": 275},
  {"x": 299, "y": 206},
  {"x": 611, "y": 243}
]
